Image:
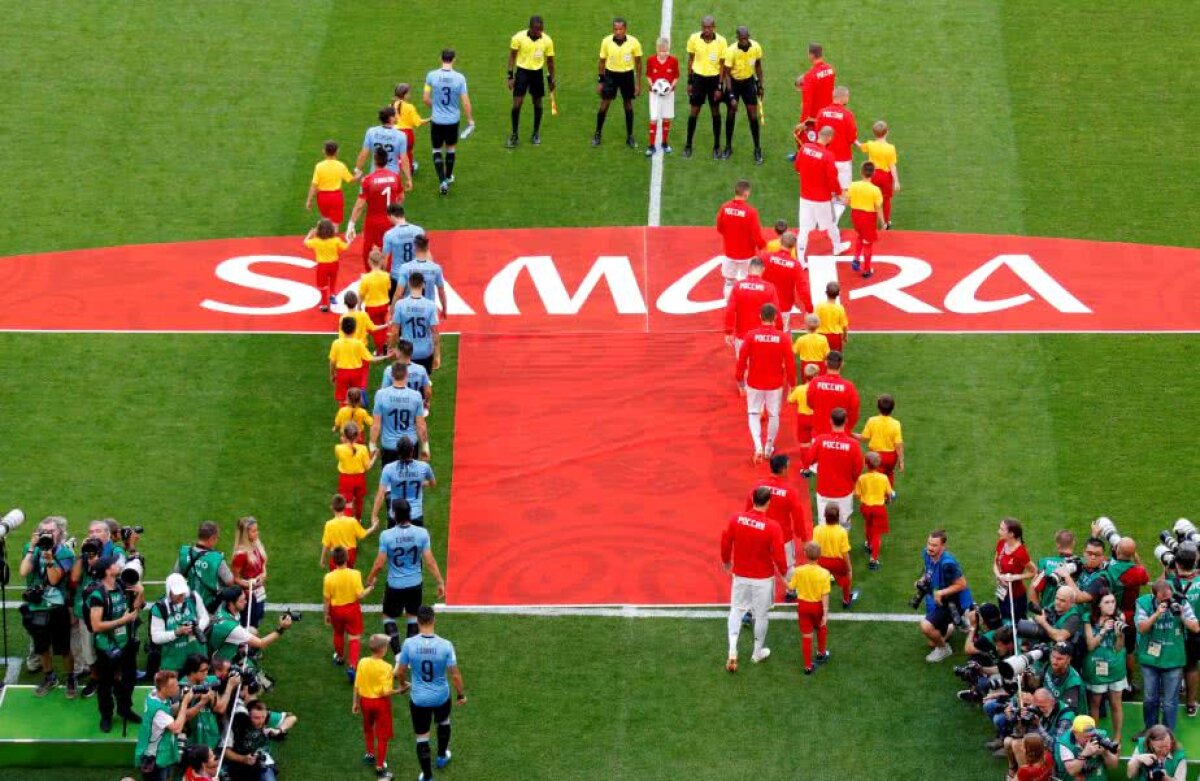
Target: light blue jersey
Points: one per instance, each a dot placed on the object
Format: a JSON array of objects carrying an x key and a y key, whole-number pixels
[
  {"x": 405, "y": 548},
  {"x": 429, "y": 656},
  {"x": 398, "y": 242},
  {"x": 389, "y": 138},
  {"x": 446, "y": 89},
  {"x": 398, "y": 410},
  {"x": 417, "y": 318},
  {"x": 406, "y": 480},
  {"x": 417, "y": 378},
  {"x": 428, "y": 268}
]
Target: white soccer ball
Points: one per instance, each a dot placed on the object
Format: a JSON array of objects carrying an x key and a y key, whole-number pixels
[{"x": 660, "y": 87}]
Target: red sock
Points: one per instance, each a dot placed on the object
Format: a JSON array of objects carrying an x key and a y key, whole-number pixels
[
  {"x": 887, "y": 209},
  {"x": 381, "y": 752},
  {"x": 369, "y": 733},
  {"x": 653, "y": 133},
  {"x": 821, "y": 638},
  {"x": 666, "y": 131},
  {"x": 355, "y": 645},
  {"x": 806, "y": 647},
  {"x": 858, "y": 246},
  {"x": 868, "y": 252},
  {"x": 844, "y": 582},
  {"x": 339, "y": 643}
]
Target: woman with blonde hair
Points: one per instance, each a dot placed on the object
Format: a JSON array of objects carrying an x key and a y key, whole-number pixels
[{"x": 249, "y": 565}]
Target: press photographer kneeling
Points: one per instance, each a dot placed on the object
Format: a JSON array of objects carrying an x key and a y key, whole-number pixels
[
  {"x": 112, "y": 611},
  {"x": 228, "y": 634}
]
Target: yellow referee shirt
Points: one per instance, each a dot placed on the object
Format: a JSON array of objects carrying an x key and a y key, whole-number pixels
[
  {"x": 872, "y": 488},
  {"x": 531, "y": 54},
  {"x": 706, "y": 59},
  {"x": 741, "y": 63},
  {"x": 373, "y": 678},
  {"x": 342, "y": 531},
  {"x": 864, "y": 196},
  {"x": 881, "y": 153},
  {"x": 329, "y": 174},
  {"x": 812, "y": 348},
  {"x": 832, "y": 538},
  {"x": 810, "y": 582},
  {"x": 618, "y": 57},
  {"x": 882, "y": 433},
  {"x": 342, "y": 586},
  {"x": 833, "y": 318}
]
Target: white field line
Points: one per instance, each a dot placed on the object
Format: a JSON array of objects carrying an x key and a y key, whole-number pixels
[
  {"x": 866, "y": 332},
  {"x": 654, "y": 212}
]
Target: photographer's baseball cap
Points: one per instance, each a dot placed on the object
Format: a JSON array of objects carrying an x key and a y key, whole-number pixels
[
  {"x": 177, "y": 585},
  {"x": 101, "y": 565},
  {"x": 1083, "y": 724},
  {"x": 229, "y": 594}
]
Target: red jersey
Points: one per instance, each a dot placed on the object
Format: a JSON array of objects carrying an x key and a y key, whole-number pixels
[
  {"x": 743, "y": 310},
  {"x": 380, "y": 189},
  {"x": 754, "y": 543},
  {"x": 765, "y": 360},
  {"x": 818, "y": 173},
  {"x": 817, "y": 87},
  {"x": 790, "y": 279},
  {"x": 786, "y": 507},
  {"x": 845, "y": 130},
  {"x": 1012, "y": 564},
  {"x": 825, "y": 393},
  {"x": 737, "y": 222},
  {"x": 839, "y": 461},
  {"x": 668, "y": 70}
]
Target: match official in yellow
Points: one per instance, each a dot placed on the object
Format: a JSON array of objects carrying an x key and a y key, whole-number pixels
[
  {"x": 620, "y": 71},
  {"x": 529, "y": 54},
  {"x": 705, "y": 51},
  {"x": 742, "y": 80}
]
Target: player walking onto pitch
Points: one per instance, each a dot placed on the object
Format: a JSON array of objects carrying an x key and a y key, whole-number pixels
[
  {"x": 434, "y": 667},
  {"x": 387, "y": 137},
  {"x": 405, "y": 550},
  {"x": 745, "y": 304},
  {"x": 445, "y": 89},
  {"x": 705, "y": 50},
  {"x": 766, "y": 365},
  {"x": 377, "y": 192},
  {"x": 620, "y": 70},
  {"x": 819, "y": 188},
  {"x": 816, "y": 86},
  {"x": 662, "y": 73},
  {"x": 529, "y": 53},
  {"x": 742, "y": 79},
  {"x": 741, "y": 235},
  {"x": 838, "y": 116},
  {"x": 752, "y": 550}
]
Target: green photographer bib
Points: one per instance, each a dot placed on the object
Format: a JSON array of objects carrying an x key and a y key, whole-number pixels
[
  {"x": 166, "y": 752},
  {"x": 176, "y": 652},
  {"x": 222, "y": 626},
  {"x": 201, "y": 567},
  {"x": 1047, "y": 565},
  {"x": 113, "y": 605},
  {"x": 1169, "y": 764},
  {"x": 1105, "y": 664},
  {"x": 1116, "y": 570},
  {"x": 1163, "y": 645}
]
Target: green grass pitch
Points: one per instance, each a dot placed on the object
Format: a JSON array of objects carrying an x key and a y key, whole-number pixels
[{"x": 203, "y": 122}]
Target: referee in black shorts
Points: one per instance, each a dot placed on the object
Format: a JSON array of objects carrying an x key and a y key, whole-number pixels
[
  {"x": 706, "y": 53},
  {"x": 742, "y": 76},
  {"x": 529, "y": 53},
  {"x": 620, "y": 71}
]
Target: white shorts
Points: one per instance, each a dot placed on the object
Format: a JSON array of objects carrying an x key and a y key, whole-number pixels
[
  {"x": 662, "y": 106},
  {"x": 734, "y": 269},
  {"x": 845, "y": 173},
  {"x": 845, "y": 505},
  {"x": 815, "y": 215},
  {"x": 757, "y": 399},
  {"x": 81, "y": 646},
  {"x": 753, "y": 595}
]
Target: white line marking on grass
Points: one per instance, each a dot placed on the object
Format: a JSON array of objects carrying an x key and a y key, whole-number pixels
[
  {"x": 866, "y": 332},
  {"x": 12, "y": 670},
  {"x": 654, "y": 214}
]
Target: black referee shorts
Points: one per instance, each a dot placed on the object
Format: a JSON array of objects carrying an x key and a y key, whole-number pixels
[
  {"x": 443, "y": 135},
  {"x": 617, "y": 81},
  {"x": 745, "y": 90},
  {"x": 527, "y": 81},
  {"x": 423, "y": 717},
  {"x": 402, "y": 601},
  {"x": 703, "y": 88}
]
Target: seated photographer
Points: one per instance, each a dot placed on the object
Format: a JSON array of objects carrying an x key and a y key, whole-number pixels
[
  {"x": 177, "y": 625},
  {"x": 199, "y": 763},
  {"x": 1103, "y": 669},
  {"x": 1087, "y": 752},
  {"x": 1163, "y": 621},
  {"x": 113, "y": 610},
  {"x": 1059, "y": 623},
  {"x": 228, "y": 632},
  {"x": 248, "y": 749},
  {"x": 210, "y": 698},
  {"x": 1157, "y": 756},
  {"x": 45, "y": 562},
  {"x": 99, "y": 543},
  {"x": 165, "y": 718},
  {"x": 1045, "y": 585},
  {"x": 1182, "y": 578},
  {"x": 943, "y": 587},
  {"x": 1039, "y": 713},
  {"x": 1061, "y": 679}
]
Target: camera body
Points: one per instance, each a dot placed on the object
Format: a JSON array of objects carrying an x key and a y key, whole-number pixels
[
  {"x": 45, "y": 542},
  {"x": 295, "y": 615},
  {"x": 128, "y": 531},
  {"x": 1108, "y": 744},
  {"x": 197, "y": 689},
  {"x": 91, "y": 548},
  {"x": 1072, "y": 565},
  {"x": 34, "y": 596},
  {"x": 1174, "y": 605},
  {"x": 924, "y": 587}
]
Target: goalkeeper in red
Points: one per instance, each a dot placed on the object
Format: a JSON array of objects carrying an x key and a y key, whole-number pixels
[
  {"x": 766, "y": 365},
  {"x": 662, "y": 73}
]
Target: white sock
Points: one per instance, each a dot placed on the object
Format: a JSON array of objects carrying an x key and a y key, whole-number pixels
[
  {"x": 838, "y": 210},
  {"x": 755, "y": 430},
  {"x": 735, "y": 629},
  {"x": 729, "y": 285},
  {"x": 835, "y": 235},
  {"x": 772, "y": 428},
  {"x": 760, "y": 632}
]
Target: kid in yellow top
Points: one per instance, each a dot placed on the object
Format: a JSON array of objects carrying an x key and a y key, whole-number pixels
[
  {"x": 327, "y": 248},
  {"x": 884, "y": 435},
  {"x": 353, "y": 411},
  {"x": 343, "y": 531},
  {"x": 353, "y": 461},
  {"x": 832, "y": 318}
]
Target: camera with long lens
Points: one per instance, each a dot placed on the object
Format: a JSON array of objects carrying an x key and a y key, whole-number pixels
[
  {"x": 1108, "y": 744},
  {"x": 1165, "y": 553},
  {"x": 393, "y": 632},
  {"x": 197, "y": 689},
  {"x": 132, "y": 573},
  {"x": 198, "y": 634},
  {"x": 1019, "y": 664},
  {"x": 91, "y": 548},
  {"x": 128, "y": 531},
  {"x": 1186, "y": 531},
  {"x": 924, "y": 587},
  {"x": 1174, "y": 605},
  {"x": 1071, "y": 565},
  {"x": 970, "y": 672},
  {"x": 1107, "y": 531},
  {"x": 45, "y": 542},
  {"x": 11, "y": 520}
]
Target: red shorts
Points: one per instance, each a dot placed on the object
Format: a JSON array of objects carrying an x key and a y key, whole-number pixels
[
  {"x": 412, "y": 140},
  {"x": 836, "y": 567},
  {"x": 327, "y": 278},
  {"x": 866, "y": 224},
  {"x": 883, "y": 180},
  {"x": 803, "y": 428},
  {"x": 810, "y": 615},
  {"x": 331, "y": 205},
  {"x": 351, "y": 556},
  {"x": 372, "y": 237},
  {"x": 346, "y": 619},
  {"x": 364, "y": 376},
  {"x": 352, "y": 487},
  {"x": 875, "y": 518},
  {"x": 887, "y": 464},
  {"x": 377, "y": 716},
  {"x": 344, "y": 381},
  {"x": 835, "y": 341}
]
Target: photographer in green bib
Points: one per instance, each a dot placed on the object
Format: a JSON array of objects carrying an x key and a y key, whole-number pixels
[
  {"x": 178, "y": 623},
  {"x": 113, "y": 610},
  {"x": 1047, "y": 581},
  {"x": 45, "y": 562},
  {"x": 157, "y": 750},
  {"x": 1183, "y": 577},
  {"x": 99, "y": 543},
  {"x": 210, "y": 701},
  {"x": 203, "y": 566},
  {"x": 1103, "y": 668},
  {"x": 1163, "y": 622},
  {"x": 1086, "y": 752},
  {"x": 1158, "y": 757},
  {"x": 229, "y": 634}
]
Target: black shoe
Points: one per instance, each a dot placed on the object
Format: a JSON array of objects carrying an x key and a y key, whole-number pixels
[
  {"x": 89, "y": 690},
  {"x": 512, "y": 141},
  {"x": 887, "y": 226},
  {"x": 728, "y": 153},
  {"x": 970, "y": 695},
  {"x": 444, "y": 187},
  {"x": 873, "y": 564},
  {"x": 106, "y": 724},
  {"x": 71, "y": 688},
  {"x": 48, "y": 683},
  {"x": 809, "y": 670},
  {"x": 596, "y": 140},
  {"x": 687, "y": 151},
  {"x": 536, "y": 139},
  {"x": 789, "y": 596},
  {"x": 1191, "y": 711},
  {"x": 855, "y": 265},
  {"x": 758, "y": 158},
  {"x": 868, "y": 274},
  {"x": 716, "y": 153},
  {"x": 629, "y": 142},
  {"x": 822, "y": 657},
  {"x": 130, "y": 716}
]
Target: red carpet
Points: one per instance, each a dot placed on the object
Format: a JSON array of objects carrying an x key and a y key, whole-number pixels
[{"x": 595, "y": 469}]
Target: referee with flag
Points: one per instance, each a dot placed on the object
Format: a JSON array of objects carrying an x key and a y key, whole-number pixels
[{"x": 529, "y": 53}]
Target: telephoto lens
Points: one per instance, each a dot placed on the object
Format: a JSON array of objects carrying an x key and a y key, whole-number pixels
[{"x": 11, "y": 520}]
